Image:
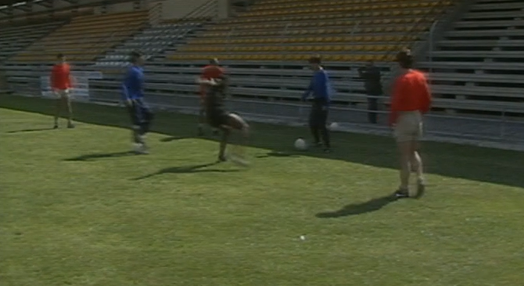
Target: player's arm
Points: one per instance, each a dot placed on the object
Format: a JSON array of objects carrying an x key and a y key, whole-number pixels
[
  {"x": 308, "y": 90},
  {"x": 426, "y": 97},
  {"x": 396, "y": 101},
  {"x": 52, "y": 78},
  {"x": 128, "y": 79}
]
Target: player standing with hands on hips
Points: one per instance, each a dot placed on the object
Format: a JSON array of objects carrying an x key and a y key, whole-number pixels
[
  {"x": 320, "y": 89},
  {"x": 411, "y": 99},
  {"x": 61, "y": 84},
  {"x": 133, "y": 96}
]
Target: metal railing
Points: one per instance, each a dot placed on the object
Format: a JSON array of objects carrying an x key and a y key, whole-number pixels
[{"x": 155, "y": 14}]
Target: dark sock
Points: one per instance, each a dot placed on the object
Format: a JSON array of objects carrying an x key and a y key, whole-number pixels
[{"x": 325, "y": 137}]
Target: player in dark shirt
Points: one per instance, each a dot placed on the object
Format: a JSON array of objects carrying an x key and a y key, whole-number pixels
[{"x": 218, "y": 117}]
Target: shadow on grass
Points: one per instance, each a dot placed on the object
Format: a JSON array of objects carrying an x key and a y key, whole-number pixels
[
  {"x": 90, "y": 157},
  {"x": 277, "y": 154},
  {"x": 171, "y": 139},
  {"x": 30, "y": 130},
  {"x": 450, "y": 160},
  {"x": 362, "y": 208},
  {"x": 187, "y": 169},
  {"x": 367, "y": 207}
]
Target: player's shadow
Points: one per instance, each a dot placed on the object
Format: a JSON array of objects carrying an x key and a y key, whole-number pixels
[
  {"x": 277, "y": 154},
  {"x": 90, "y": 157},
  {"x": 361, "y": 208},
  {"x": 200, "y": 168},
  {"x": 172, "y": 138},
  {"x": 31, "y": 130}
]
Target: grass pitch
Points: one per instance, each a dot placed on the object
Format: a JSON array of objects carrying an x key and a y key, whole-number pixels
[{"x": 77, "y": 209}]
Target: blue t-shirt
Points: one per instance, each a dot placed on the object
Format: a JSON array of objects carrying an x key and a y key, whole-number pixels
[
  {"x": 319, "y": 87},
  {"x": 133, "y": 85}
]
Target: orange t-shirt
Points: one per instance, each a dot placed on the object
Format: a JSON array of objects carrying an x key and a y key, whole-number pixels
[
  {"x": 208, "y": 73},
  {"x": 60, "y": 76},
  {"x": 410, "y": 93}
]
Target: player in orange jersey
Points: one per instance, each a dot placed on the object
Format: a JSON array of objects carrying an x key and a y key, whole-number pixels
[
  {"x": 410, "y": 100},
  {"x": 209, "y": 72},
  {"x": 61, "y": 84}
]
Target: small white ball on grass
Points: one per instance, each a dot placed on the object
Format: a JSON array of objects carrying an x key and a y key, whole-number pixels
[
  {"x": 300, "y": 144},
  {"x": 333, "y": 126}
]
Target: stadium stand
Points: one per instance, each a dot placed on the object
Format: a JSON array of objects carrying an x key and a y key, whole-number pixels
[
  {"x": 17, "y": 37},
  {"x": 85, "y": 37},
  {"x": 352, "y": 30},
  {"x": 264, "y": 49},
  {"x": 478, "y": 66}
]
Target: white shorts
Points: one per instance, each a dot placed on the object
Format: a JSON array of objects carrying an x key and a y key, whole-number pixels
[
  {"x": 62, "y": 93},
  {"x": 409, "y": 126}
]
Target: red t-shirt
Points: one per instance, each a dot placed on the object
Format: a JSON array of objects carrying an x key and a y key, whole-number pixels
[
  {"x": 410, "y": 93},
  {"x": 208, "y": 73},
  {"x": 60, "y": 76}
]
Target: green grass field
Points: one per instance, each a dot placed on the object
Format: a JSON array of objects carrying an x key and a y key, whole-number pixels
[{"x": 77, "y": 209}]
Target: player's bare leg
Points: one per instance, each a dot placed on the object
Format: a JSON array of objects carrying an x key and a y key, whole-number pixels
[
  {"x": 69, "y": 105},
  {"x": 58, "y": 107},
  {"x": 238, "y": 123},
  {"x": 202, "y": 119},
  {"x": 226, "y": 130}
]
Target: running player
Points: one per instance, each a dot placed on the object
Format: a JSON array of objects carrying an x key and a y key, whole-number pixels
[
  {"x": 411, "y": 98},
  {"x": 211, "y": 71},
  {"x": 133, "y": 96},
  {"x": 61, "y": 84},
  {"x": 219, "y": 118}
]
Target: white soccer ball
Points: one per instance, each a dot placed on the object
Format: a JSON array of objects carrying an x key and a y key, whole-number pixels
[
  {"x": 333, "y": 126},
  {"x": 300, "y": 144}
]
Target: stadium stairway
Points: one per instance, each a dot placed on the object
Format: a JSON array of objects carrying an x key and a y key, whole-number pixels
[
  {"x": 16, "y": 38},
  {"x": 478, "y": 66}
]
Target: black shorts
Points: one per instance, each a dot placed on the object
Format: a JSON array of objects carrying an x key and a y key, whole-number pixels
[
  {"x": 318, "y": 116},
  {"x": 216, "y": 119}
]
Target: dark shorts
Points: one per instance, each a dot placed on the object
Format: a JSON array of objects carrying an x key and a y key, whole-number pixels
[
  {"x": 318, "y": 116},
  {"x": 216, "y": 119},
  {"x": 140, "y": 112}
]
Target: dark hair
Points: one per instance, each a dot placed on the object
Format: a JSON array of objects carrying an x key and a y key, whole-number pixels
[
  {"x": 315, "y": 60},
  {"x": 405, "y": 59},
  {"x": 213, "y": 61},
  {"x": 133, "y": 56},
  {"x": 59, "y": 56}
]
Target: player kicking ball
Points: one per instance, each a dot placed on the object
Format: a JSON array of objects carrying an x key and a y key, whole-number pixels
[{"x": 217, "y": 117}]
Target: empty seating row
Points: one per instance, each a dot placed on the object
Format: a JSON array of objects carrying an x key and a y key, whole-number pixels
[
  {"x": 336, "y": 22},
  {"x": 313, "y": 4},
  {"x": 402, "y": 29},
  {"x": 299, "y": 20},
  {"x": 335, "y": 39},
  {"x": 283, "y": 57},
  {"x": 290, "y": 48},
  {"x": 339, "y": 9}
]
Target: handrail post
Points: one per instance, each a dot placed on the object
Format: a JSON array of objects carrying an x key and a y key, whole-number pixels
[
  {"x": 355, "y": 27},
  {"x": 431, "y": 45},
  {"x": 282, "y": 36}
]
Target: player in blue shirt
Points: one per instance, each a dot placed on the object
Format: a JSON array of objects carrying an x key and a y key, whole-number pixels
[
  {"x": 320, "y": 89},
  {"x": 133, "y": 96}
]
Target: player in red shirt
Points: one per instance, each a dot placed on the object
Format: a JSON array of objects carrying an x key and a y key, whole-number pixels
[
  {"x": 61, "y": 84},
  {"x": 411, "y": 99},
  {"x": 209, "y": 72}
]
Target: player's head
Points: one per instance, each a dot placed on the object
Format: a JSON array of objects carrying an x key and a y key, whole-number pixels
[
  {"x": 61, "y": 57},
  {"x": 136, "y": 58},
  {"x": 315, "y": 62},
  {"x": 405, "y": 58}
]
